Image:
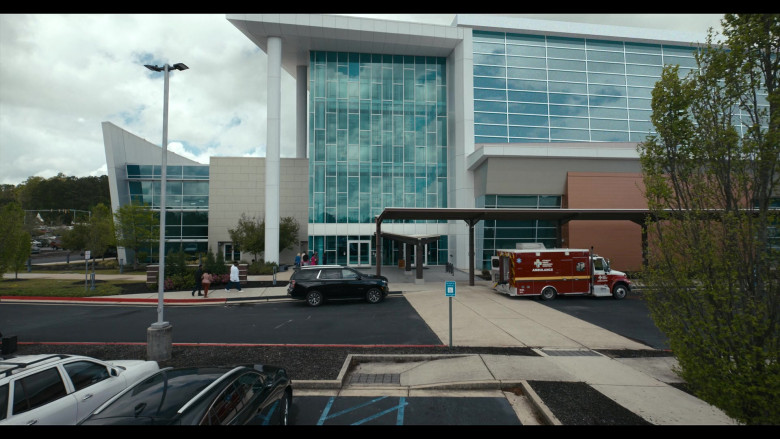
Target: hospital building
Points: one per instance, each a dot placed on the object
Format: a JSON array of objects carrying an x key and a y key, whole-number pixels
[{"x": 490, "y": 112}]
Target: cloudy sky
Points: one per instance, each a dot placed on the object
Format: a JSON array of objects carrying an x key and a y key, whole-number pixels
[{"x": 61, "y": 76}]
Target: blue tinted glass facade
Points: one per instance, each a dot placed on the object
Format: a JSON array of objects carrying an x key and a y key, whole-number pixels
[
  {"x": 377, "y": 135},
  {"x": 377, "y": 138},
  {"x": 532, "y": 88},
  {"x": 506, "y": 234},
  {"x": 186, "y": 203}
]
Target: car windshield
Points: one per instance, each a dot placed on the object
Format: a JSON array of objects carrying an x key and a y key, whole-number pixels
[{"x": 161, "y": 395}]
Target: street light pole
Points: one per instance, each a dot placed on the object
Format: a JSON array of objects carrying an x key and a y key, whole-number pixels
[{"x": 159, "y": 338}]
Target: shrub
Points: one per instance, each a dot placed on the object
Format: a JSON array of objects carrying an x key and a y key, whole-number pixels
[
  {"x": 109, "y": 264},
  {"x": 178, "y": 282},
  {"x": 219, "y": 265},
  {"x": 219, "y": 279},
  {"x": 261, "y": 267}
]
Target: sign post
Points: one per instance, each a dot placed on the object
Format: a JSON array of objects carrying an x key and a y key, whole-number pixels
[
  {"x": 449, "y": 291},
  {"x": 86, "y": 269}
]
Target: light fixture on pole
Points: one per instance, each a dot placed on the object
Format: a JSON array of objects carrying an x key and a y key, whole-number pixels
[{"x": 159, "y": 338}]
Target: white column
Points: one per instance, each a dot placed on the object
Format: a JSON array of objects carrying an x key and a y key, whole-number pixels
[
  {"x": 301, "y": 111},
  {"x": 460, "y": 86},
  {"x": 272, "y": 152}
]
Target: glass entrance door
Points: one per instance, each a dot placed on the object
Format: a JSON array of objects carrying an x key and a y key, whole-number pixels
[{"x": 359, "y": 253}]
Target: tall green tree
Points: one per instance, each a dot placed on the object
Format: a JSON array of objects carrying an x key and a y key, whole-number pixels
[
  {"x": 101, "y": 233},
  {"x": 288, "y": 233},
  {"x": 14, "y": 239},
  {"x": 714, "y": 275},
  {"x": 135, "y": 228},
  {"x": 249, "y": 234},
  {"x": 20, "y": 252},
  {"x": 76, "y": 237},
  {"x": 7, "y": 194},
  {"x": 62, "y": 199}
]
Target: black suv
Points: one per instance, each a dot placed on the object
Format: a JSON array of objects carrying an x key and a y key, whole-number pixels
[{"x": 318, "y": 283}]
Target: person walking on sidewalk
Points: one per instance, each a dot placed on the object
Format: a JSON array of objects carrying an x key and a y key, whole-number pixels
[
  {"x": 206, "y": 281},
  {"x": 198, "y": 280},
  {"x": 234, "y": 279}
]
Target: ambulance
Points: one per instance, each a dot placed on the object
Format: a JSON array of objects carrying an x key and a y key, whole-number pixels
[{"x": 549, "y": 272}]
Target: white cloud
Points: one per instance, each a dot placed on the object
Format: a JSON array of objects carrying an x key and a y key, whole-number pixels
[{"x": 62, "y": 75}]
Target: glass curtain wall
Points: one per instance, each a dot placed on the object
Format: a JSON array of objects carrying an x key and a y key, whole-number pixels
[
  {"x": 506, "y": 234},
  {"x": 377, "y": 138},
  {"x": 186, "y": 204},
  {"x": 536, "y": 88}
]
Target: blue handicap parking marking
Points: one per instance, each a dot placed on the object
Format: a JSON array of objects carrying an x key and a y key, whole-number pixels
[
  {"x": 403, "y": 411},
  {"x": 348, "y": 413}
]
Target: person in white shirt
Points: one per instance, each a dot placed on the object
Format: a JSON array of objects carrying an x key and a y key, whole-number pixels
[{"x": 233, "y": 277}]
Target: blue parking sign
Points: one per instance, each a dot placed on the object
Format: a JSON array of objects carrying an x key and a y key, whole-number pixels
[{"x": 449, "y": 288}]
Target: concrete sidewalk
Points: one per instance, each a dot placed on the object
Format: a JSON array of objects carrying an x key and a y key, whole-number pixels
[{"x": 566, "y": 348}]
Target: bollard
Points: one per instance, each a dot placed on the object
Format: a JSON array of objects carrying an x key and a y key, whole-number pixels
[
  {"x": 121, "y": 265},
  {"x": 274, "y": 275}
]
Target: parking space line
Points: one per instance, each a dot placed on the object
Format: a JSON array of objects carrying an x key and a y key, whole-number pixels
[{"x": 399, "y": 418}]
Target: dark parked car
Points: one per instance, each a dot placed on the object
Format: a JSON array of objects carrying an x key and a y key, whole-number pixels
[
  {"x": 259, "y": 394},
  {"x": 318, "y": 283}
]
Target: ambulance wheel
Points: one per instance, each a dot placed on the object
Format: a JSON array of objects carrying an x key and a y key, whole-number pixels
[
  {"x": 548, "y": 293},
  {"x": 619, "y": 291}
]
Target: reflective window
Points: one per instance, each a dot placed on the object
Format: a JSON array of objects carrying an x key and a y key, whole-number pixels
[
  {"x": 395, "y": 115},
  {"x": 3, "y": 401},
  {"x": 578, "y": 77},
  {"x": 37, "y": 390},
  {"x": 86, "y": 373},
  {"x": 507, "y": 234}
]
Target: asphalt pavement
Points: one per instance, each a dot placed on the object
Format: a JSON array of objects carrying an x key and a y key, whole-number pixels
[{"x": 479, "y": 316}]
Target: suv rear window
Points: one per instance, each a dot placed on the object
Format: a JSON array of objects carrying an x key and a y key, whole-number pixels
[
  {"x": 305, "y": 274},
  {"x": 332, "y": 273}
]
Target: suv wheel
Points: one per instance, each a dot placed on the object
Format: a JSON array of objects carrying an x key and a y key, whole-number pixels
[
  {"x": 374, "y": 295},
  {"x": 314, "y": 298}
]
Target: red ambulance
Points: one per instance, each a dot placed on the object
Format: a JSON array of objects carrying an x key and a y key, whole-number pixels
[{"x": 549, "y": 272}]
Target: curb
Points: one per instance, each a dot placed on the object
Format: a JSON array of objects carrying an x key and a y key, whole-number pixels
[{"x": 341, "y": 383}]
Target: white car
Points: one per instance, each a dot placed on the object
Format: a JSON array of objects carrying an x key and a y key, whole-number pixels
[{"x": 60, "y": 389}]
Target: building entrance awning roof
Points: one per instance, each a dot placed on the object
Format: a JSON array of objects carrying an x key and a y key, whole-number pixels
[
  {"x": 638, "y": 216},
  {"x": 473, "y": 216}
]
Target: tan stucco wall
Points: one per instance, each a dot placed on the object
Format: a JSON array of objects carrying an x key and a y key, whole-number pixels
[{"x": 237, "y": 185}]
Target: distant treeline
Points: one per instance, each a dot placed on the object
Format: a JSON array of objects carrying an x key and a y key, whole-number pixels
[{"x": 60, "y": 199}]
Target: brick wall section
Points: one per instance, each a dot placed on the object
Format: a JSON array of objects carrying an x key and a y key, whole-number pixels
[{"x": 619, "y": 241}]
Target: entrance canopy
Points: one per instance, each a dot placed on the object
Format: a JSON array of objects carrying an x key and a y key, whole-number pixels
[
  {"x": 473, "y": 216},
  {"x": 562, "y": 215}
]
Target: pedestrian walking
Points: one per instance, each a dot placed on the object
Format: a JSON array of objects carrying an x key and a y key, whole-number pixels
[
  {"x": 297, "y": 261},
  {"x": 305, "y": 259},
  {"x": 313, "y": 260},
  {"x": 234, "y": 279},
  {"x": 206, "y": 282},
  {"x": 198, "y": 280}
]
